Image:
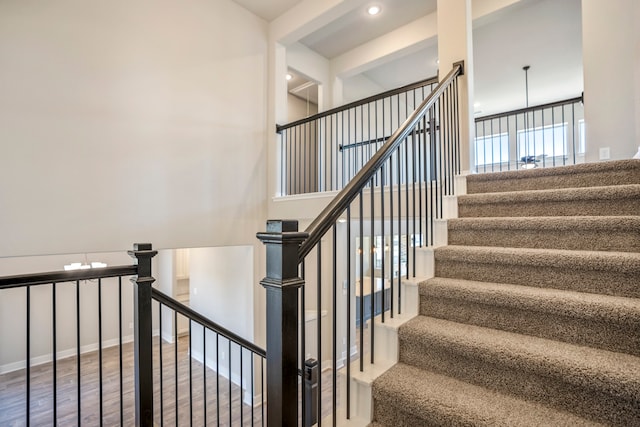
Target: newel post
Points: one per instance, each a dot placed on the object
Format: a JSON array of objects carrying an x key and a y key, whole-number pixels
[
  {"x": 283, "y": 241},
  {"x": 143, "y": 333}
]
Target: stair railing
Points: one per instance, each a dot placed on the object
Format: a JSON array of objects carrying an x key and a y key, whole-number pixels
[
  {"x": 157, "y": 366},
  {"x": 403, "y": 185}
]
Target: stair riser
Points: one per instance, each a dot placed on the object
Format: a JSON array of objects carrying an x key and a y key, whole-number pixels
[
  {"x": 524, "y": 208},
  {"x": 387, "y": 414},
  {"x": 577, "y": 239},
  {"x": 607, "y": 282},
  {"x": 517, "y": 379},
  {"x": 607, "y": 335},
  {"x": 575, "y": 180}
]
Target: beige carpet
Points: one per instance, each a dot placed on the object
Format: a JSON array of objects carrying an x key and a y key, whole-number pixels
[{"x": 533, "y": 318}]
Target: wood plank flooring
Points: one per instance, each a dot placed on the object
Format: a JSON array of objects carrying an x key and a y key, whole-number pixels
[{"x": 116, "y": 411}]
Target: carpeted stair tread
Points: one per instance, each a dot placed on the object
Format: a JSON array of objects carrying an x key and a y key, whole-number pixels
[
  {"x": 590, "y": 201},
  {"x": 406, "y": 393},
  {"x": 601, "y": 233},
  {"x": 617, "y": 172},
  {"x": 611, "y": 373},
  {"x": 607, "y": 322},
  {"x": 583, "y": 271},
  {"x": 545, "y": 300}
]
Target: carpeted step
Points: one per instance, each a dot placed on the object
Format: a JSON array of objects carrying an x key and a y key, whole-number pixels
[
  {"x": 617, "y": 172},
  {"x": 600, "y": 321},
  {"x": 597, "y": 384},
  {"x": 406, "y": 396},
  {"x": 608, "y": 273},
  {"x": 595, "y": 233},
  {"x": 593, "y": 201}
]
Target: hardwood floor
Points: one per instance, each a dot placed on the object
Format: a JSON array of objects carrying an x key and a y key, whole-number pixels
[{"x": 117, "y": 411}]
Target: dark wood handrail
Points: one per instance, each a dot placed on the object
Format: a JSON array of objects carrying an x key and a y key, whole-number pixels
[
  {"x": 66, "y": 276},
  {"x": 334, "y": 209},
  {"x": 199, "y": 318},
  {"x": 373, "y": 98},
  {"x": 530, "y": 109}
]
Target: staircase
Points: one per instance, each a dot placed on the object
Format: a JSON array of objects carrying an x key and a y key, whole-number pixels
[{"x": 533, "y": 316}]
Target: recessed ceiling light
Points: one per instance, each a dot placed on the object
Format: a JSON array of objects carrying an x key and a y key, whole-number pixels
[
  {"x": 288, "y": 76},
  {"x": 374, "y": 10}
]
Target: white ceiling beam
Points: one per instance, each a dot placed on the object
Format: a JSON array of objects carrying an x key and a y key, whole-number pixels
[
  {"x": 397, "y": 43},
  {"x": 308, "y": 16},
  {"x": 405, "y": 40}
]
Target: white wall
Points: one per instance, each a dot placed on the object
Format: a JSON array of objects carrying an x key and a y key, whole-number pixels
[
  {"x": 127, "y": 121},
  {"x": 222, "y": 288},
  {"x": 298, "y": 108},
  {"x": 610, "y": 45}
]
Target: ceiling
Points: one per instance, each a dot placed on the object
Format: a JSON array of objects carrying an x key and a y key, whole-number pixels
[
  {"x": 357, "y": 27},
  {"x": 267, "y": 9},
  {"x": 545, "y": 34}
]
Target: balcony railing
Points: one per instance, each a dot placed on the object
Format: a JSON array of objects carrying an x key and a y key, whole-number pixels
[
  {"x": 540, "y": 136},
  {"x": 159, "y": 376},
  {"x": 325, "y": 151}
]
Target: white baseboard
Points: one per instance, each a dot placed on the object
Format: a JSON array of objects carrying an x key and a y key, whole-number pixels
[{"x": 63, "y": 354}]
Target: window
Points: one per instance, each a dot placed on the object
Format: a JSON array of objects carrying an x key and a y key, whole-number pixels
[
  {"x": 492, "y": 149},
  {"x": 548, "y": 141}
]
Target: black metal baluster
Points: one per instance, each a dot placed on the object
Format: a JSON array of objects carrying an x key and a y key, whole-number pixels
[
  {"x": 54, "y": 355},
  {"x": 544, "y": 145},
  {"x": 344, "y": 171},
  {"x": 383, "y": 238},
  {"x": 509, "y": 145},
  {"x": 361, "y": 256},
  {"x": 190, "y": 375},
  {"x": 391, "y": 243},
  {"x": 296, "y": 143},
  {"x": 241, "y": 384},
  {"x": 319, "y": 330},
  {"x": 320, "y": 161},
  {"x": 553, "y": 136},
  {"x": 406, "y": 200},
  {"x": 564, "y": 140},
  {"x": 440, "y": 151},
  {"x": 218, "y": 381},
  {"x": 305, "y": 158},
  {"x": 229, "y": 372},
  {"x": 399, "y": 171},
  {"x": 420, "y": 173},
  {"x": 79, "y": 391},
  {"x": 262, "y": 389},
  {"x": 335, "y": 329},
  {"x": 161, "y": 364},
  {"x": 484, "y": 144},
  {"x": 500, "y": 139},
  {"x": 303, "y": 332},
  {"x": 204, "y": 373},
  {"x": 372, "y": 275},
  {"x": 253, "y": 386},
  {"x": 348, "y": 352},
  {"x": 120, "y": 350},
  {"x": 100, "y": 346},
  {"x": 28, "y": 358},
  {"x": 175, "y": 350},
  {"x": 573, "y": 130},
  {"x": 413, "y": 204},
  {"x": 425, "y": 175}
]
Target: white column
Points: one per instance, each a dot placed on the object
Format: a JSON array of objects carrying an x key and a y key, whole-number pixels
[
  {"x": 455, "y": 44},
  {"x": 611, "y": 64},
  {"x": 276, "y": 114}
]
